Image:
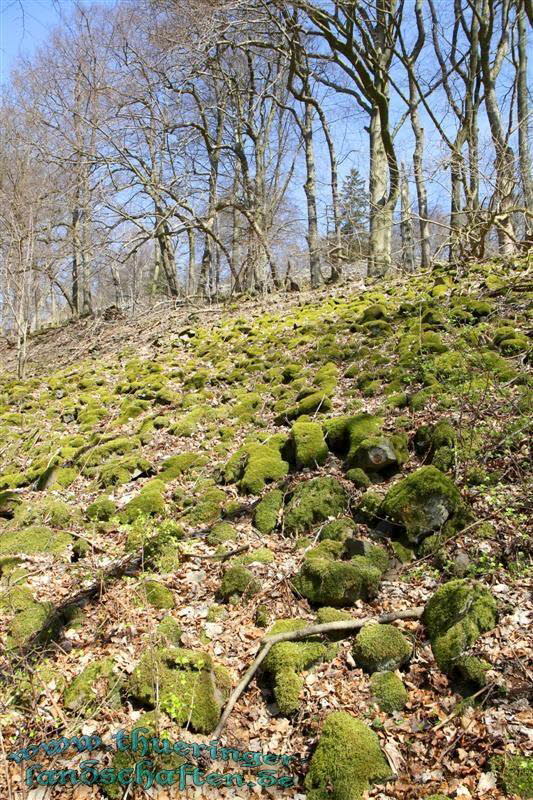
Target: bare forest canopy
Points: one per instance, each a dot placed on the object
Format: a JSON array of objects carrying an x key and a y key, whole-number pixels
[{"x": 167, "y": 148}]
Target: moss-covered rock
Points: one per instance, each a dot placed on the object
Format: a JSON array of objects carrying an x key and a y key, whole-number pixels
[
  {"x": 347, "y": 760},
  {"x": 169, "y": 632},
  {"x": 149, "y": 502},
  {"x": 286, "y": 659},
  {"x": 255, "y": 465},
  {"x": 44, "y": 511},
  {"x": 267, "y": 511},
  {"x": 337, "y": 530},
  {"x": 326, "y": 581},
  {"x": 358, "y": 477},
  {"x": 380, "y": 648},
  {"x": 175, "y": 466},
  {"x": 157, "y": 594},
  {"x": 328, "y": 614},
  {"x": 455, "y": 616},
  {"x": 102, "y": 509},
  {"x": 419, "y": 504},
  {"x": 34, "y": 539},
  {"x": 437, "y": 444},
  {"x": 238, "y": 581},
  {"x": 185, "y": 684},
  {"x": 220, "y": 533},
  {"x": 345, "y": 434},
  {"x": 311, "y": 404},
  {"x": 98, "y": 685},
  {"x": 379, "y": 454},
  {"x": 314, "y": 501},
  {"x": 307, "y": 445},
  {"x": 389, "y": 691},
  {"x": 121, "y": 470},
  {"x": 33, "y": 620}
]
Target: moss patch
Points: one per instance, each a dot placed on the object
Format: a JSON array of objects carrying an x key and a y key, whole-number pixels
[
  {"x": 455, "y": 616},
  {"x": 314, "y": 501},
  {"x": 286, "y": 659},
  {"x": 389, "y": 691},
  {"x": 347, "y": 760},
  {"x": 380, "y": 648},
  {"x": 267, "y": 511},
  {"x": 420, "y": 503},
  {"x": 97, "y": 686},
  {"x": 183, "y": 683}
]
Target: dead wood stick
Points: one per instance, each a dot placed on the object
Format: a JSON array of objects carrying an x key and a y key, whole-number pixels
[{"x": 312, "y": 630}]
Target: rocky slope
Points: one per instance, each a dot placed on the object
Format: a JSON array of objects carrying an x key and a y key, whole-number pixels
[{"x": 174, "y": 488}]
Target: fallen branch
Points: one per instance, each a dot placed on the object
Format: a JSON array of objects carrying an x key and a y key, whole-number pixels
[{"x": 312, "y": 630}]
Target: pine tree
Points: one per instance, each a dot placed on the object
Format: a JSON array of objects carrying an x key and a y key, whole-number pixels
[{"x": 354, "y": 214}]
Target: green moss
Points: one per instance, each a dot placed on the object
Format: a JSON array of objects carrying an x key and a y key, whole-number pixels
[
  {"x": 255, "y": 465},
  {"x": 337, "y": 530},
  {"x": 328, "y": 614},
  {"x": 101, "y": 509},
  {"x": 216, "y": 612},
  {"x": 515, "y": 774},
  {"x": 311, "y": 404},
  {"x": 119, "y": 446},
  {"x": 379, "y": 648},
  {"x": 326, "y": 581},
  {"x": 168, "y": 632},
  {"x": 286, "y": 659},
  {"x": 63, "y": 477},
  {"x": 183, "y": 683},
  {"x": 402, "y": 553},
  {"x": 267, "y": 511},
  {"x": 122, "y": 470},
  {"x": 177, "y": 465},
  {"x": 437, "y": 444},
  {"x": 96, "y": 686},
  {"x": 16, "y": 598},
  {"x": 358, "y": 477},
  {"x": 157, "y": 595},
  {"x": 379, "y": 454},
  {"x": 347, "y": 760},
  {"x": 149, "y": 502},
  {"x": 220, "y": 533},
  {"x": 389, "y": 691},
  {"x": 34, "y": 539},
  {"x": 455, "y": 616},
  {"x": 29, "y": 621},
  {"x": 238, "y": 581},
  {"x": 314, "y": 501},
  {"x": 308, "y": 446},
  {"x": 421, "y": 503},
  {"x": 206, "y": 508},
  {"x": 261, "y": 556},
  {"x": 45, "y": 511}
]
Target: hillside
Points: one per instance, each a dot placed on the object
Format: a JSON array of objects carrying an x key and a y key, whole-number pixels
[{"x": 173, "y": 486}]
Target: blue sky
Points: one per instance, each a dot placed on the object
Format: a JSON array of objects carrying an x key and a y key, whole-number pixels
[{"x": 24, "y": 24}]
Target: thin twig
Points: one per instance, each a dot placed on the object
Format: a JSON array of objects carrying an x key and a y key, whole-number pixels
[{"x": 313, "y": 630}]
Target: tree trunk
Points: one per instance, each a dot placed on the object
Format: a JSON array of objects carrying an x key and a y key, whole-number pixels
[
  {"x": 310, "y": 194},
  {"x": 381, "y": 210},
  {"x": 408, "y": 248},
  {"x": 523, "y": 124},
  {"x": 420, "y": 183}
]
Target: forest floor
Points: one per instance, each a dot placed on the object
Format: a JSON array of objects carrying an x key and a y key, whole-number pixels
[{"x": 157, "y": 436}]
